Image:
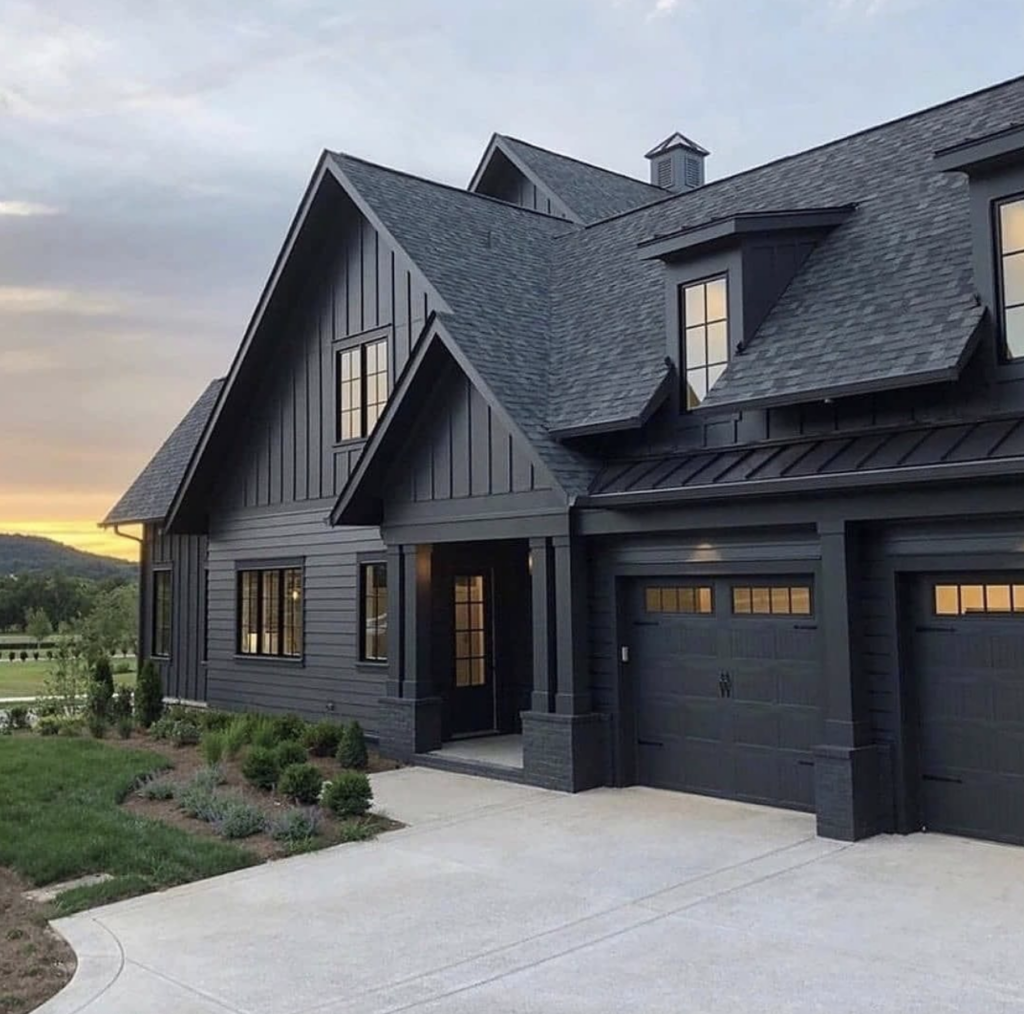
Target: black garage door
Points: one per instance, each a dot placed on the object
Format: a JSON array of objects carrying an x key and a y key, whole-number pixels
[
  {"x": 724, "y": 677},
  {"x": 968, "y": 659}
]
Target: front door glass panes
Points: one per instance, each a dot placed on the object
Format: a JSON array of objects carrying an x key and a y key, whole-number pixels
[
  {"x": 470, "y": 631},
  {"x": 705, "y": 337},
  {"x": 1011, "y": 257}
]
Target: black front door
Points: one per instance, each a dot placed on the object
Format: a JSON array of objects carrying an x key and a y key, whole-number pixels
[{"x": 472, "y": 686}]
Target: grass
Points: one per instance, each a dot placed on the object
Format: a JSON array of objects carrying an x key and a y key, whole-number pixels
[
  {"x": 60, "y": 818},
  {"x": 26, "y": 679}
]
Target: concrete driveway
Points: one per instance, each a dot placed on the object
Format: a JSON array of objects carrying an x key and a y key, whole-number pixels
[{"x": 503, "y": 898}]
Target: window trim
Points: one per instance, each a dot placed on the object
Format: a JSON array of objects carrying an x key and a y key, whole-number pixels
[
  {"x": 359, "y": 343},
  {"x": 362, "y": 564},
  {"x": 682, "y": 286},
  {"x": 281, "y": 567},
  {"x": 159, "y": 571},
  {"x": 1000, "y": 282}
]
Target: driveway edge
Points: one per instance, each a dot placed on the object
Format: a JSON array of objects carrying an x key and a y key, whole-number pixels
[{"x": 100, "y": 962}]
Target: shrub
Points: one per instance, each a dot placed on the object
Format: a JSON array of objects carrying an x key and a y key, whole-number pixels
[
  {"x": 49, "y": 725},
  {"x": 125, "y": 725},
  {"x": 352, "y": 748},
  {"x": 97, "y": 727},
  {"x": 100, "y": 693},
  {"x": 122, "y": 704},
  {"x": 295, "y": 826},
  {"x": 156, "y": 788},
  {"x": 149, "y": 695},
  {"x": 201, "y": 803},
  {"x": 348, "y": 794},
  {"x": 11, "y": 655},
  {"x": 260, "y": 767},
  {"x": 69, "y": 727},
  {"x": 208, "y": 778},
  {"x": 322, "y": 738},
  {"x": 239, "y": 819},
  {"x": 289, "y": 727},
  {"x": 263, "y": 731},
  {"x": 122, "y": 667},
  {"x": 23, "y": 655},
  {"x": 236, "y": 735},
  {"x": 185, "y": 732},
  {"x": 18, "y": 717},
  {"x": 212, "y": 747},
  {"x": 300, "y": 783},
  {"x": 216, "y": 721},
  {"x": 289, "y": 752},
  {"x": 35, "y": 656},
  {"x": 162, "y": 727}
]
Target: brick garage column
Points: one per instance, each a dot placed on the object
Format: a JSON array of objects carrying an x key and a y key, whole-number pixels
[
  {"x": 852, "y": 777},
  {"x": 410, "y": 715}
]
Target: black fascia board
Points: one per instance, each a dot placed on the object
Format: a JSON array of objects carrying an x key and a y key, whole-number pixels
[{"x": 982, "y": 154}]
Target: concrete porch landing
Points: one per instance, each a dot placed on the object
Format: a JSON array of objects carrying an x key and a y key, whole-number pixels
[{"x": 494, "y": 756}]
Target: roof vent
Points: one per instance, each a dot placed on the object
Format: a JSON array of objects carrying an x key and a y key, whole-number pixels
[{"x": 677, "y": 164}]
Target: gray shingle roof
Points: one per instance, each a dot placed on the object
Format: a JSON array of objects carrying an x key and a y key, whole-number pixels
[
  {"x": 886, "y": 299},
  {"x": 150, "y": 496},
  {"x": 491, "y": 262},
  {"x": 591, "y": 192}
]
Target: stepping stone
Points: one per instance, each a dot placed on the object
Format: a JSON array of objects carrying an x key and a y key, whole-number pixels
[{"x": 48, "y": 893}]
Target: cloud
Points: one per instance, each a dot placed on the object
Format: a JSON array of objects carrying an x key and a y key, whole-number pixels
[
  {"x": 16, "y": 299},
  {"x": 662, "y": 8},
  {"x": 25, "y": 209}
]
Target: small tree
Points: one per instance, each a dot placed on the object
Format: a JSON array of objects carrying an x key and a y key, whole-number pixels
[
  {"x": 149, "y": 695},
  {"x": 101, "y": 689},
  {"x": 67, "y": 680},
  {"x": 352, "y": 748},
  {"x": 38, "y": 625}
]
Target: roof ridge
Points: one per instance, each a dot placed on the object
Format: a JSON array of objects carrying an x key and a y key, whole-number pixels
[
  {"x": 816, "y": 147},
  {"x": 580, "y": 161},
  {"x": 451, "y": 187}
]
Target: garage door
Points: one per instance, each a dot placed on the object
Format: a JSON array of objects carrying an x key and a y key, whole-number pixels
[
  {"x": 724, "y": 677},
  {"x": 969, "y": 667}
]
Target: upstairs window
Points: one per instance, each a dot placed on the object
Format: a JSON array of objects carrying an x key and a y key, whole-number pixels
[
  {"x": 362, "y": 378},
  {"x": 1011, "y": 264},
  {"x": 704, "y": 312},
  {"x": 270, "y": 612}
]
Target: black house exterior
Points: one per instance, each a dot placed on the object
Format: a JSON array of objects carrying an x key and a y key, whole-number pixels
[{"x": 706, "y": 486}]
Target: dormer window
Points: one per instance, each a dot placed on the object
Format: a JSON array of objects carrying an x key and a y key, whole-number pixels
[
  {"x": 1011, "y": 264},
  {"x": 705, "y": 317}
]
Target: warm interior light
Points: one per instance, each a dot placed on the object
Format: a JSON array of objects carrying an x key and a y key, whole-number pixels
[
  {"x": 529, "y": 561},
  {"x": 295, "y": 595}
]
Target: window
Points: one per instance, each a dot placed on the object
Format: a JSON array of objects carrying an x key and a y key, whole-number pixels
[
  {"x": 705, "y": 315},
  {"x": 270, "y": 612},
  {"x": 1011, "y": 262},
  {"x": 374, "y": 583},
  {"x": 162, "y": 613},
  {"x": 771, "y": 600},
  {"x": 978, "y": 599},
  {"x": 362, "y": 373},
  {"x": 678, "y": 600},
  {"x": 470, "y": 632}
]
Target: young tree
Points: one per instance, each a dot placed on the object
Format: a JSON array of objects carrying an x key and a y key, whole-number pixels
[
  {"x": 38, "y": 625},
  {"x": 149, "y": 695}
]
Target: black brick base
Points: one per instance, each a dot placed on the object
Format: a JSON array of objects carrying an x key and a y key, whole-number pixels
[
  {"x": 409, "y": 726},
  {"x": 853, "y": 791},
  {"x": 565, "y": 752}
]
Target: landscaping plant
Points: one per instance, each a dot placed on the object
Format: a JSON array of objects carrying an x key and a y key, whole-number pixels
[
  {"x": 301, "y": 783},
  {"x": 289, "y": 727},
  {"x": 348, "y": 794},
  {"x": 97, "y": 726},
  {"x": 125, "y": 726},
  {"x": 122, "y": 706},
  {"x": 352, "y": 748},
  {"x": 211, "y": 746},
  {"x": 239, "y": 819},
  {"x": 260, "y": 767},
  {"x": 18, "y": 717},
  {"x": 290, "y": 752},
  {"x": 149, "y": 695},
  {"x": 236, "y": 735},
  {"x": 322, "y": 739},
  {"x": 295, "y": 826},
  {"x": 101, "y": 689},
  {"x": 185, "y": 732}
]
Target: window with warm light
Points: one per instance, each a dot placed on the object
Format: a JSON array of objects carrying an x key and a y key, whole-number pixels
[
  {"x": 362, "y": 380},
  {"x": 978, "y": 599},
  {"x": 270, "y": 612},
  {"x": 1011, "y": 270},
  {"x": 771, "y": 600},
  {"x": 705, "y": 316},
  {"x": 374, "y": 583}
]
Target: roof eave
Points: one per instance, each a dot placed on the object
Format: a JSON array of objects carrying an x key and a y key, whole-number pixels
[
  {"x": 622, "y": 424},
  {"x": 994, "y": 151}
]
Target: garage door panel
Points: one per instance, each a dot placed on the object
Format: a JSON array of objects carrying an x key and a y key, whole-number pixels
[
  {"x": 703, "y": 720},
  {"x": 703, "y": 768},
  {"x": 1008, "y": 751},
  {"x": 1008, "y": 700},
  {"x": 957, "y": 746},
  {"x": 799, "y": 729},
  {"x": 754, "y": 726}
]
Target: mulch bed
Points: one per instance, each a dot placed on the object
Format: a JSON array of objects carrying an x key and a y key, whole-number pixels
[{"x": 35, "y": 962}]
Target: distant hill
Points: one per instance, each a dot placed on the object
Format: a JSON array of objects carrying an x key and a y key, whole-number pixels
[{"x": 32, "y": 554}]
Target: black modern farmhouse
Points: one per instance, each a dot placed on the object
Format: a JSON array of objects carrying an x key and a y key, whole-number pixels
[{"x": 711, "y": 486}]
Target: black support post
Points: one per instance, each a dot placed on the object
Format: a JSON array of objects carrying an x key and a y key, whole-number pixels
[{"x": 541, "y": 593}]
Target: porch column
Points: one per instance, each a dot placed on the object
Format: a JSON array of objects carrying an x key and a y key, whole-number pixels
[
  {"x": 572, "y": 696},
  {"x": 852, "y": 777},
  {"x": 415, "y": 612},
  {"x": 393, "y": 683},
  {"x": 543, "y": 623}
]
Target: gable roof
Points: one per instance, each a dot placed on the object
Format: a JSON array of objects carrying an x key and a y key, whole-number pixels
[
  {"x": 150, "y": 496},
  {"x": 843, "y": 323},
  {"x": 587, "y": 191},
  {"x": 676, "y": 140}
]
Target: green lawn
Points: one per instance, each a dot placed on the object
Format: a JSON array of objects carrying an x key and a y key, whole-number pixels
[
  {"x": 25, "y": 679},
  {"x": 60, "y": 819}
]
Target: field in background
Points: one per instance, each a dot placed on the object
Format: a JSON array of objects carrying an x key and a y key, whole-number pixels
[{"x": 25, "y": 679}]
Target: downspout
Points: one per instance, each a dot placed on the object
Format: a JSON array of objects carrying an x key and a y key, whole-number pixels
[{"x": 142, "y": 607}]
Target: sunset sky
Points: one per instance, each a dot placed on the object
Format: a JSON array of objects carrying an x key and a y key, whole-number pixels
[{"x": 152, "y": 155}]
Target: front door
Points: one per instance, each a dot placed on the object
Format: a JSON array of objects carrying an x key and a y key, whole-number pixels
[{"x": 472, "y": 688}]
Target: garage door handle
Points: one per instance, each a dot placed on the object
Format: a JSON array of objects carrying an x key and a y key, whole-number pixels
[
  {"x": 941, "y": 778},
  {"x": 648, "y": 742},
  {"x": 805, "y": 626}
]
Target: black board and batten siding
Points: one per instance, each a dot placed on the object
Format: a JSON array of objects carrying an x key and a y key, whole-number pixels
[{"x": 183, "y": 671}]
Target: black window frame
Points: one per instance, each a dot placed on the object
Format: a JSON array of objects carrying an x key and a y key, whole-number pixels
[
  {"x": 999, "y": 256},
  {"x": 685, "y": 367},
  {"x": 162, "y": 627},
  {"x": 280, "y": 636},
  {"x": 369, "y": 410},
  {"x": 380, "y": 567}
]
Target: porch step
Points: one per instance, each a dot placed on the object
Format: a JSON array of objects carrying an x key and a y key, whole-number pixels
[{"x": 460, "y": 766}]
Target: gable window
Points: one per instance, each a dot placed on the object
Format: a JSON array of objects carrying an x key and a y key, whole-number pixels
[
  {"x": 270, "y": 612},
  {"x": 362, "y": 377},
  {"x": 1011, "y": 263},
  {"x": 162, "y": 613},
  {"x": 704, "y": 312},
  {"x": 373, "y": 582}
]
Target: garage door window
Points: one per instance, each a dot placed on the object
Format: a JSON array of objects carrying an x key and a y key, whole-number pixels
[
  {"x": 697, "y": 600},
  {"x": 771, "y": 600},
  {"x": 978, "y": 599}
]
